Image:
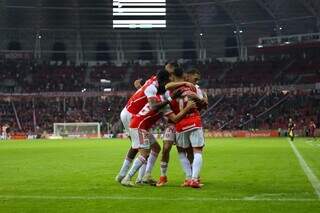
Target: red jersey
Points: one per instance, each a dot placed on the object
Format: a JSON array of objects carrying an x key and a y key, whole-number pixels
[
  {"x": 139, "y": 99},
  {"x": 147, "y": 117},
  {"x": 192, "y": 120}
]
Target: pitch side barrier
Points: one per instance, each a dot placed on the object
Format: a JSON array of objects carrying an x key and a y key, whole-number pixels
[
  {"x": 257, "y": 133},
  {"x": 208, "y": 134},
  {"x": 242, "y": 134}
]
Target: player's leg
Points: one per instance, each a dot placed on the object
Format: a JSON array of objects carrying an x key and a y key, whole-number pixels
[
  {"x": 141, "y": 173},
  {"x": 137, "y": 163},
  {"x": 142, "y": 178},
  {"x": 125, "y": 117},
  {"x": 291, "y": 134},
  {"x": 183, "y": 143},
  {"x": 186, "y": 166},
  {"x": 168, "y": 141},
  {"x": 197, "y": 143},
  {"x": 167, "y": 145},
  {"x": 139, "y": 139},
  {"x": 126, "y": 163},
  {"x": 155, "y": 150},
  {"x": 189, "y": 152},
  {"x": 196, "y": 167}
]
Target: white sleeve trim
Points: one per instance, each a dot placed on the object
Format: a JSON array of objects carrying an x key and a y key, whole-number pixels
[{"x": 151, "y": 91}]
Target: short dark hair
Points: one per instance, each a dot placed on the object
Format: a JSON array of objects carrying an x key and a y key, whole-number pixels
[
  {"x": 175, "y": 64},
  {"x": 163, "y": 79},
  {"x": 163, "y": 76},
  {"x": 178, "y": 72},
  {"x": 193, "y": 71}
]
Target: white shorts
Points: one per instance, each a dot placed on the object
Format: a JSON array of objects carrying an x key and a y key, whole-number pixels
[
  {"x": 141, "y": 139},
  {"x": 170, "y": 133},
  {"x": 125, "y": 117},
  {"x": 193, "y": 138}
]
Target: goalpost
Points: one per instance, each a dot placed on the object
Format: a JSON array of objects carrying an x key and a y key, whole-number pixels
[{"x": 77, "y": 130}]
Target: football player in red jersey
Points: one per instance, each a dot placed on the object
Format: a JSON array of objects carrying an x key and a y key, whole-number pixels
[
  {"x": 141, "y": 124},
  {"x": 193, "y": 76},
  {"x": 185, "y": 155},
  {"x": 169, "y": 136},
  {"x": 134, "y": 105}
]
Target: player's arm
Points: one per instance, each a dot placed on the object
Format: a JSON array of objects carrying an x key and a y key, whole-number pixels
[
  {"x": 204, "y": 101},
  {"x": 174, "y": 85},
  {"x": 153, "y": 101},
  {"x": 201, "y": 103},
  {"x": 151, "y": 93},
  {"x": 176, "y": 118},
  {"x": 155, "y": 105},
  {"x": 200, "y": 98}
]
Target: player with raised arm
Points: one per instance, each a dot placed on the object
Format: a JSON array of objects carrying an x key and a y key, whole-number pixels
[{"x": 133, "y": 106}]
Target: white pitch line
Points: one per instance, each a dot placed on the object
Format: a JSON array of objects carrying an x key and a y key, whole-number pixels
[
  {"x": 248, "y": 199},
  {"x": 307, "y": 170},
  {"x": 313, "y": 143}
]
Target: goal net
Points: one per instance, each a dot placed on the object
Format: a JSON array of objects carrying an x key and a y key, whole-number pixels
[{"x": 76, "y": 130}]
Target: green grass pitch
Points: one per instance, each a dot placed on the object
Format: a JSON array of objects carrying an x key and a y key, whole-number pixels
[{"x": 240, "y": 175}]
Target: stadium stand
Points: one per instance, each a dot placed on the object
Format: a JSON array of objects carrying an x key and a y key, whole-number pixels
[
  {"x": 234, "y": 112},
  {"x": 33, "y": 77}
]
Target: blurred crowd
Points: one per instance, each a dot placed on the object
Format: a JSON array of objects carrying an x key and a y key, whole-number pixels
[
  {"x": 249, "y": 111},
  {"x": 39, "y": 115},
  {"x": 263, "y": 111},
  {"x": 28, "y": 76}
]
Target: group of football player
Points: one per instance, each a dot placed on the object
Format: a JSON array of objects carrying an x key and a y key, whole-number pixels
[{"x": 172, "y": 94}]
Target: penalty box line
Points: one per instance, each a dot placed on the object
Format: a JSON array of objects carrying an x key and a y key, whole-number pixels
[
  {"x": 313, "y": 179},
  {"x": 88, "y": 198}
]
